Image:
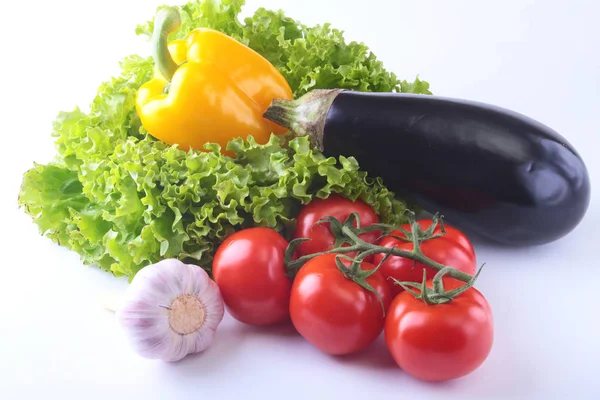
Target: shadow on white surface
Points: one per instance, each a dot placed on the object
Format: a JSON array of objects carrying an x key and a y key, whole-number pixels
[{"x": 374, "y": 357}]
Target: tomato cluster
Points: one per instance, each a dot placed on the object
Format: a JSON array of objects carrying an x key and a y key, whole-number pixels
[{"x": 341, "y": 308}]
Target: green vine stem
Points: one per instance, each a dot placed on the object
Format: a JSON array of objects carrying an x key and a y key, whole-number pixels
[{"x": 347, "y": 233}]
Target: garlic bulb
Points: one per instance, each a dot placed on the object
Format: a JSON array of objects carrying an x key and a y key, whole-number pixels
[{"x": 170, "y": 310}]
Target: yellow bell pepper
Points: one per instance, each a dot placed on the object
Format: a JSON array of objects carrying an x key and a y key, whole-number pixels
[{"x": 211, "y": 88}]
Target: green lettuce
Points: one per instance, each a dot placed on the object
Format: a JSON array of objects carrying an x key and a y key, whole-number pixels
[{"x": 123, "y": 200}]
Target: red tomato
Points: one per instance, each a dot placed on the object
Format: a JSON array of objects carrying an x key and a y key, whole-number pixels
[
  {"x": 250, "y": 272},
  {"x": 320, "y": 234},
  {"x": 452, "y": 249},
  {"x": 443, "y": 341},
  {"x": 334, "y": 313}
]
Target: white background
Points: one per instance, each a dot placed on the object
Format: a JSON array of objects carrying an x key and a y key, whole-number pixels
[{"x": 540, "y": 58}]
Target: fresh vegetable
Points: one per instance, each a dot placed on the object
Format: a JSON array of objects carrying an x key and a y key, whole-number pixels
[
  {"x": 170, "y": 310},
  {"x": 310, "y": 226},
  {"x": 339, "y": 308},
  {"x": 440, "y": 335},
  {"x": 249, "y": 269},
  {"x": 217, "y": 88},
  {"x": 439, "y": 242},
  {"x": 123, "y": 200},
  {"x": 348, "y": 233},
  {"x": 487, "y": 169}
]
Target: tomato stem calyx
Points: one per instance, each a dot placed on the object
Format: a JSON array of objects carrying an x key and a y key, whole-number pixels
[
  {"x": 417, "y": 234},
  {"x": 437, "y": 294},
  {"x": 358, "y": 275}
]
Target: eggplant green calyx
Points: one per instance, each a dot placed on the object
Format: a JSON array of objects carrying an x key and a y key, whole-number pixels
[{"x": 304, "y": 116}]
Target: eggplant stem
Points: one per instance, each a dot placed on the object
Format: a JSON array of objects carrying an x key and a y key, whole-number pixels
[{"x": 304, "y": 116}]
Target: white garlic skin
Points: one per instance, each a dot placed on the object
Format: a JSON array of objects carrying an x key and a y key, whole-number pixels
[{"x": 146, "y": 317}]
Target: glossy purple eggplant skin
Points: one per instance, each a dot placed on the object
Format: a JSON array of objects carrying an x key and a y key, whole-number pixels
[{"x": 488, "y": 170}]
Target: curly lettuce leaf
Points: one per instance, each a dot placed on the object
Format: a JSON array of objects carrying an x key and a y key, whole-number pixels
[
  {"x": 316, "y": 57},
  {"x": 416, "y": 87},
  {"x": 123, "y": 200}
]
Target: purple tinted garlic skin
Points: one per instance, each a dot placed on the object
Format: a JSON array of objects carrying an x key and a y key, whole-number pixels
[{"x": 170, "y": 310}]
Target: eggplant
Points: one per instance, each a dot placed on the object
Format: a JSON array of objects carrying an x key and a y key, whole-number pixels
[{"x": 486, "y": 169}]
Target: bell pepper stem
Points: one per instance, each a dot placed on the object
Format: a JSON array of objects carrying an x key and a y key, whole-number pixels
[{"x": 167, "y": 21}]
